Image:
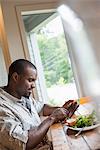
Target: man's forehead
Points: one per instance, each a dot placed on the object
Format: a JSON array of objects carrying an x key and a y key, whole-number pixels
[{"x": 29, "y": 69}]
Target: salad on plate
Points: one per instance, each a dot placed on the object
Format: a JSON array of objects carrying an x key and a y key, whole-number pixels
[{"x": 82, "y": 122}]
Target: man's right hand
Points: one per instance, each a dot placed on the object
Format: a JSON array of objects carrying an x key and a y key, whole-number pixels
[{"x": 61, "y": 113}]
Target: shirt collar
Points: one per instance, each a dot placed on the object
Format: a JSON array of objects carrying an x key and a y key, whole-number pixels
[{"x": 9, "y": 96}]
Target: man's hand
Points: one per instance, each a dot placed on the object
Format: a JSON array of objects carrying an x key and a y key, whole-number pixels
[
  {"x": 71, "y": 106},
  {"x": 59, "y": 114},
  {"x": 67, "y": 104}
]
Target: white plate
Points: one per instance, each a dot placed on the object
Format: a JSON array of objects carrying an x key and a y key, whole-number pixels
[{"x": 85, "y": 128}]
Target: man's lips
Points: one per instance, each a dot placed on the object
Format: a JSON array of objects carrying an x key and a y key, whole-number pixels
[{"x": 30, "y": 90}]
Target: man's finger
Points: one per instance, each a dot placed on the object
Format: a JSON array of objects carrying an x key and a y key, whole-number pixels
[
  {"x": 72, "y": 112},
  {"x": 68, "y": 103}
]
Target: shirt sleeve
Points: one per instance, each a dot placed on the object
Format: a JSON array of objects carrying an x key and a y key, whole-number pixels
[{"x": 12, "y": 135}]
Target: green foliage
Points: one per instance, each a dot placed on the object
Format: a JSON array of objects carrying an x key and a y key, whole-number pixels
[
  {"x": 61, "y": 81},
  {"x": 54, "y": 56},
  {"x": 85, "y": 121}
]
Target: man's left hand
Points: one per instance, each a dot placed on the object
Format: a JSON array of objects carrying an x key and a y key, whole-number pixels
[
  {"x": 71, "y": 106},
  {"x": 68, "y": 104}
]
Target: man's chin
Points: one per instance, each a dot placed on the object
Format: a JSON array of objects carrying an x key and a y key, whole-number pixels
[{"x": 27, "y": 95}]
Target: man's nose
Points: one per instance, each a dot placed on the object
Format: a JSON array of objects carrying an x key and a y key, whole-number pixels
[{"x": 33, "y": 85}]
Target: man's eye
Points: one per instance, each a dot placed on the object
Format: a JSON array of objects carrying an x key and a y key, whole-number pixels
[{"x": 30, "y": 80}]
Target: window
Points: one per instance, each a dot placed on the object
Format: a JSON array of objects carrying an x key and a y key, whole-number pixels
[{"x": 48, "y": 50}]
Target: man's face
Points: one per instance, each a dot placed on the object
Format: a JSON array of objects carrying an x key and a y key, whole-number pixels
[{"x": 26, "y": 82}]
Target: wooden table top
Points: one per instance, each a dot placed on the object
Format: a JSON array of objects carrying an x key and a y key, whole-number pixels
[
  {"x": 64, "y": 138},
  {"x": 88, "y": 140}
]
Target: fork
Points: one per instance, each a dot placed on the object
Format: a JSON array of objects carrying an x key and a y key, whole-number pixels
[{"x": 79, "y": 132}]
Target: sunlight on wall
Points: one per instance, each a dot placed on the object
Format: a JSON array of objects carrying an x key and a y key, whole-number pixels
[{"x": 82, "y": 50}]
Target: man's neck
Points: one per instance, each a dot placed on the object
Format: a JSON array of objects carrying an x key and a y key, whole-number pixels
[{"x": 12, "y": 92}]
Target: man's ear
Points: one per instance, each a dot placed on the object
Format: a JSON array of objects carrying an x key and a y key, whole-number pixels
[{"x": 15, "y": 76}]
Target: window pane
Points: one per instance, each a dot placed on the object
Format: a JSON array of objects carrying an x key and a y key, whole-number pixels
[{"x": 56, "y": 64}]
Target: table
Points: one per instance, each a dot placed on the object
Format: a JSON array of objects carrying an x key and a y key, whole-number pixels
[
  {"x": 89, "y": 140},
  {"x": 64, "y": 139}
]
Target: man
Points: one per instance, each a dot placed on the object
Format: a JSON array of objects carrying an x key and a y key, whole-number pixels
[{"x": 20, "y": 125}]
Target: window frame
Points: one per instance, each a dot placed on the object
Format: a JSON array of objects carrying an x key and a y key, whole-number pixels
[{"x": 44, "y": 7}]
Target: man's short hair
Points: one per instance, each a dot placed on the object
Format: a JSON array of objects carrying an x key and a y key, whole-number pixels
[{"x": 19, "y": 66}]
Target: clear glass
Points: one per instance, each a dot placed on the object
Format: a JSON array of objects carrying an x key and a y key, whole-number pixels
[{"x": 56, "y": 63}]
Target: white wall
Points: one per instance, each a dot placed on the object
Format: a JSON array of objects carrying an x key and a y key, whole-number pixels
[{"x": 15, "y": 46}]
